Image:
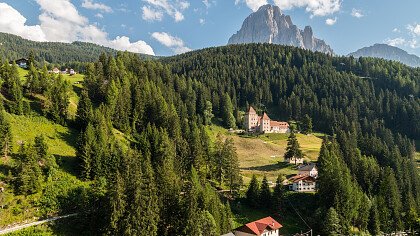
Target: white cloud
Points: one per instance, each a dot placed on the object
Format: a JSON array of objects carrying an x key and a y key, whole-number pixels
[
  {"x": 252, "y": 4},
  {"x": 414, "y": 29},
  {"x": 315, "y": 7},
  {"x": 331, "y": 21},
  {"x": 99, "y": 15},
  {"x": 11, "y": 21},
  {"x": 202, "y": 21},
  {"x": 123, "y": 43},
  {"x": 208, "y": 3},
  {"x": 402, "y": 42},
  {"x": 150, "y": 14},
  {"x": 61, "y": 22},
  {"x": 172, "y": 42},
  {"x": 413, "y": 43},
  {"x": 396, "y": 30},
  {"x": 396, "y": 41},
  {"x": 357, "y": 13},
  {"x": 153, "y": 10},
  {"x": 89, "y": 4}
]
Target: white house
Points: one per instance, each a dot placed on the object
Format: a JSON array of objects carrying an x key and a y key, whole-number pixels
[
  {"x": 309, "y": 169},
  {"x": 263, "y": 227},
  {"x": 294, "y": 160},
  {"x": 302, "y": 183}
]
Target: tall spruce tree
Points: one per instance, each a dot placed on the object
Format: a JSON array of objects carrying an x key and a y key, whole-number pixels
[
  {"x": 227, "y": 112},
  {"x": 293, "y": 147},
  {"x": 265, "y": 197},
  {"x": 332, "y": 225},
  {"x": 253, "y": 192},
  {"x": 5, "y": 135}
]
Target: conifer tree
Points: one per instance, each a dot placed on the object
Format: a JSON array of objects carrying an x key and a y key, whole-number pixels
[
  {"x": 307, "y": 124},
  {"x": 84, "y": 112},
  {"x": 5, "y": 135},
  {"x": 265, "y": 197},
  {"x": 332, "y": 224},
  {"x": 208, "y": 113},
  {"x": 86, "y": 151},
  {"x": 252, "y": 194},
  {"x": 293, "y": 147},
  {"x": 278, "y": 194},
  {"x": 227, "y": 112},
  {"x": 374, "y": 226},
  {"x": 29, "y": 174}
]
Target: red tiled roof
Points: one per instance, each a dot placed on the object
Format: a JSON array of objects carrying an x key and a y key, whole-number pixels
[
  {"x": 259, "y": 226},
  {"x": 265, "y": 116},
  {"x": 279, "y": 124},
  {"x": 251, "y": 110},
  {"x": 304, "y": 178}
]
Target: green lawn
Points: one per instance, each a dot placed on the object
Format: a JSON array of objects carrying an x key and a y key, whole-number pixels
[
  {"x": 61, "y": 140},
  {"x": 263, "y": 154},
  {"x": 61, "y": 143}
]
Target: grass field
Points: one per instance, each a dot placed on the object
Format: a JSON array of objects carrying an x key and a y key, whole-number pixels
[
  {"x": 61, "y": 140},
  {"x": 263, "y": 155}
]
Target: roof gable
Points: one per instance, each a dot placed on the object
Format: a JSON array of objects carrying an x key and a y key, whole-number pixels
[
  {"x": 259, "y": 226},
  {"x": 265, "y": 116},
  {"x": 251, "y": 110}
]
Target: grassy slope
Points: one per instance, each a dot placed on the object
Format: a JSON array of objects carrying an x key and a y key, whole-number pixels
[
  {"x": 260, "y": 155},
  {"x": 61, "y": 142}
]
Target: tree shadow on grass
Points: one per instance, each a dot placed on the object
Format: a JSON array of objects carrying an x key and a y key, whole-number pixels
[
  {"x": 68, "y": 164},
  {"x": 270, "y": 167},
  {"x": 69, "y": 137}
]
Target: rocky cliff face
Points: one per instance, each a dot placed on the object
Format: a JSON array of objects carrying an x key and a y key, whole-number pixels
[
  {"x": 388, "y": 52},
  {"x": 269, "y": 25}
]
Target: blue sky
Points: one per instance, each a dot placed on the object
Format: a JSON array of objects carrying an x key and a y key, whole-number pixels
[{"x": 167, "y": 27}]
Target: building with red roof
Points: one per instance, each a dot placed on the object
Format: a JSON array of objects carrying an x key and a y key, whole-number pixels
[
  {"x": 263, "y": 227},
  {"x": 302, "y": 183}
]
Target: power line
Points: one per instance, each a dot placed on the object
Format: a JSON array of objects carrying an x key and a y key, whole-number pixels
[{"x": 299, "y": 215}]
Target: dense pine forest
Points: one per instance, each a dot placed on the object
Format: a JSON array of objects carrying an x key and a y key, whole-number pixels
[
  {"x": 73, "y": 55},
  {"x": 161, "y": 177}
]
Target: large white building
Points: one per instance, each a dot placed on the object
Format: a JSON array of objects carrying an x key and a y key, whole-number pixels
[
  {"x": 302, "y": 183},
  {"x": 263, "y": 124}
]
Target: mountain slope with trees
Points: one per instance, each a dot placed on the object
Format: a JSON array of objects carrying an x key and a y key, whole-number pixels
[
  {"x": 13, "y": 47},
  {"x": 164, "y": 180}
]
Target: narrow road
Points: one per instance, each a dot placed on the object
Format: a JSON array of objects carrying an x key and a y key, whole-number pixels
[{"x": 19, "y": 227}]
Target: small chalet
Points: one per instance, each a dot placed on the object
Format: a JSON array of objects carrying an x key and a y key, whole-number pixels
[
  {"x": 263, "y": 227},
  {"x": 294, "y": 160},
  {"x": 56, "y": 70},
  {"x": 72, "y": 72},
  {"x": 309, "y": 169},
  {"x": 22, "y": 63},
  {"x": 302, "y": 183}
]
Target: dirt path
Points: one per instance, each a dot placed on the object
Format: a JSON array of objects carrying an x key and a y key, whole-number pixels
[{"x": 19, "y": 227}]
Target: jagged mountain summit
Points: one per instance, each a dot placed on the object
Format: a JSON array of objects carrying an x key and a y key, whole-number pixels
[
  {"x": 388, "y": 52},
  {"x": 270, "y": 25}
]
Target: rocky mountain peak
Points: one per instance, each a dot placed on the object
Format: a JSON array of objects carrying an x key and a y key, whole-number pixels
[{"x": 270, "y": 25}]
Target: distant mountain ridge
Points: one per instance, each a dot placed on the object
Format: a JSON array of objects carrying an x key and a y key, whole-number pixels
[
  {"x": 13, "y": 47},
  {"x": 270, "y": 25},
  {"x": 388, "y": 52}
]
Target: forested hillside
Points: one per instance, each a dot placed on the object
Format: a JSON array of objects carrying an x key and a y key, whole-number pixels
[
  {"x": 160, "y": 174},
  {"x": 370, "y": 107},
  {"x": 13, "y": 47}
]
